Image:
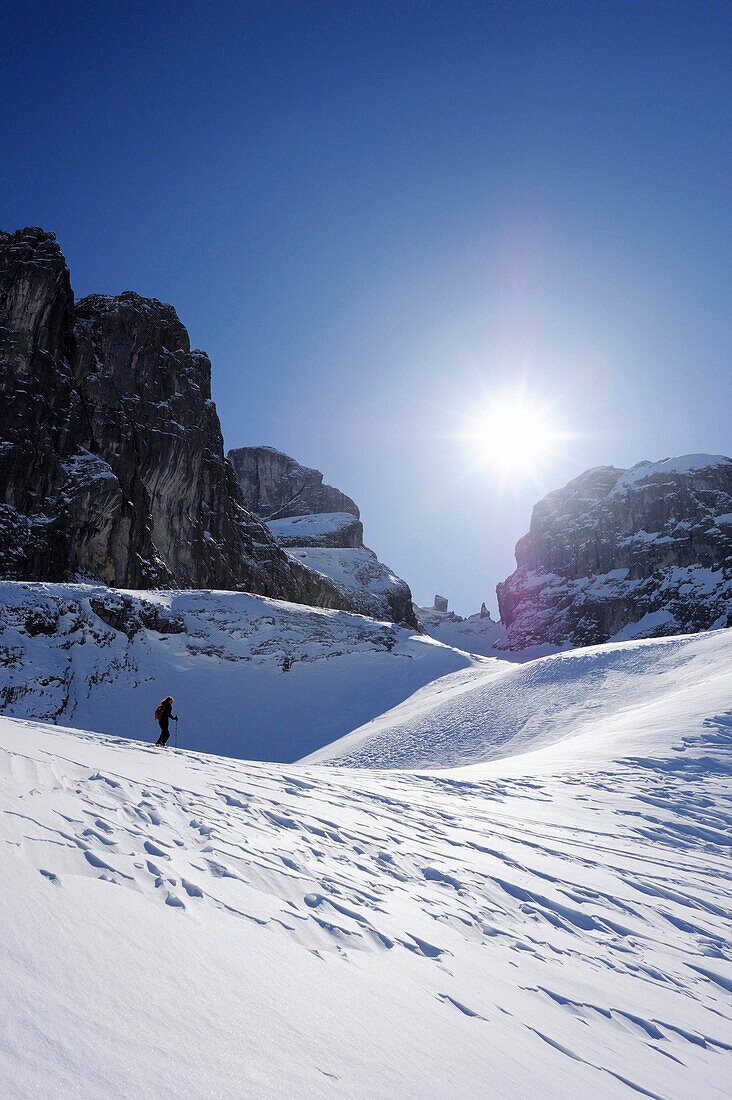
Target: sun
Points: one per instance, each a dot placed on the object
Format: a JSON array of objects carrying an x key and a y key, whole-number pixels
[{"x": 513, "y": 435}]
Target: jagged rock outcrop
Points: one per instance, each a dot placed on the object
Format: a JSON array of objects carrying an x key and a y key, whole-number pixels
[
  {"x": 275, "y": 486},
  {"x": 111, "y": 454},
  {"x": 37, "y": 400},
  {"x": 625, "y": 553},
  {"x": 320, "y": 527}
]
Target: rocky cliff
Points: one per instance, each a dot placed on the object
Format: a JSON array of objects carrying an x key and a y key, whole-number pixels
[
  {"x": 275, "y": 486},
  {"x": 371, "y": 587},
  {"x": 625, "y": 553},
  {"x": 320, "y": 528},
  {"x": 111, "y": 454}
]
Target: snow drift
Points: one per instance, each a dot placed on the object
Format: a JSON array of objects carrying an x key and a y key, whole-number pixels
[{"x": 582, "y": 704}]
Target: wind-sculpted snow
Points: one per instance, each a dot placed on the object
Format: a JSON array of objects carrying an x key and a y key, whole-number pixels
[
  {"x": 251, "y": 677},
  {"x": 546, "y": 913},
  {"x": 184, "y": 925}
]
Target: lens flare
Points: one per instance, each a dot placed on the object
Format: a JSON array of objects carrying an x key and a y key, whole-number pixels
[{"x": 513, "y": 436}]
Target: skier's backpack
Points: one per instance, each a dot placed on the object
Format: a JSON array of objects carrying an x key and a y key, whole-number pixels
[{"x": 159, "y": 711}]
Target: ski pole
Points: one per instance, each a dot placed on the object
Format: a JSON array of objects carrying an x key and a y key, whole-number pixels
[{"x": 176, "y": 733}]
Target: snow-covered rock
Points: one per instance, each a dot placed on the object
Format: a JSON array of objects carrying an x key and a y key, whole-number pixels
[
  {"x": 321, "y": 529},
  {"x": 326, "y": 529},
  {"x": 370, "y": 586},
  {"x": 625, "y": 553}
]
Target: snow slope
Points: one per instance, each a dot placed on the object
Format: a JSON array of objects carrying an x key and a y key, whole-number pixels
[
  {"x": 357, "y": 569},
  {"x": 553, "y": 920},
  {"x": 251, "y": 677},
  {"x": 479, "y": 635},
  {"x": 581, "y": 704}
]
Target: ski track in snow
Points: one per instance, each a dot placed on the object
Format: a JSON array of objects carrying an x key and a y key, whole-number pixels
[{"x": 587, "y": 915}]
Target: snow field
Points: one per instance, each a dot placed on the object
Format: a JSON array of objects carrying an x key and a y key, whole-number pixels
[
  {"x": 211, "y": 927},
  {"x": 317, "y": 526},
  {"x": 535, "y": 900}
]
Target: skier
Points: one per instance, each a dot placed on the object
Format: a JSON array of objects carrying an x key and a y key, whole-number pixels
[{"x": 163, "y": 714}]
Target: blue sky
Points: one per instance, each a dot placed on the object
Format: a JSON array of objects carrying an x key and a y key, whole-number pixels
[{"x": 377, "y": 216}]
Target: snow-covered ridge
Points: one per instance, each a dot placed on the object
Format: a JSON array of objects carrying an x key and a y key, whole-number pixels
[
  {"x": 592, "y": 485},
  {"x": 682, "y": 464},
  {"x": 370, "y": 585}
]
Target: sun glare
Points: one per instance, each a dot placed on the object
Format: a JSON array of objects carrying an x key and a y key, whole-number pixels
[{"x": 513, "y": 436}]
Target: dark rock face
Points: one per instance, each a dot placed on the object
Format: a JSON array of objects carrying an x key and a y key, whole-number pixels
[
  {"x": 640, "y": 553},
  {"x": 275, "y": 486},
  {"x": 147, "y": 398},
  {"x": 111, "y": 454},
  {"x": 38, "y": 401}
]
